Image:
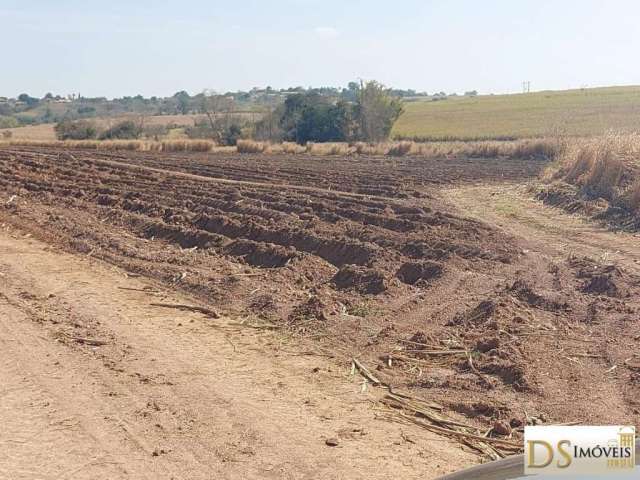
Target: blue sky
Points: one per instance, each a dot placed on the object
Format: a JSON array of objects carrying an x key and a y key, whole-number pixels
[{"x": 117, "y": 47}]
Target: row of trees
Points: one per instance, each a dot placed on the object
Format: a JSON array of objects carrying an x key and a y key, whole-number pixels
[
  {"x": 302, "y": 117},
  {"x": 87, "y": 130},
  {"x": 308, "y": 117}
]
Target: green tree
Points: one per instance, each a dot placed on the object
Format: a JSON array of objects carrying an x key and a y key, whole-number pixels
[
  {"x": 28, "y": 100},
  {"x": 182, "y": 99},
  {"x": 376, "y": 111},
  {"x": 323, "y": 123},
  {"x": 75, "y": 130},
  {"x": 125, "y": 130}
]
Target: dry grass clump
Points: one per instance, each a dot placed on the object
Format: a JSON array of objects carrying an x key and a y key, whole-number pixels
[
  {"x": 401, "y": 149},
  {"x": 544, "y": 148},
  {"x": 328, "y": 148},
  {"x": 634, "y": 196},
  {"x": 128, "y": 145},
  {"x": 363, "y": 148},
  {"x": 540, "y": 148},
  {"x": 251, "y": 146},
  {"x": 187, "y": 146},
  {"x": 602, "y": 167},
  {"x": 292, "y": 148},
  {"x": 608, "y": 168},
  {"x": 487, "y": 150}
]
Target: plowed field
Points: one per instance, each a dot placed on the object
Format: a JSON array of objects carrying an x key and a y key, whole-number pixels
[{"x": 385, "y": 260}]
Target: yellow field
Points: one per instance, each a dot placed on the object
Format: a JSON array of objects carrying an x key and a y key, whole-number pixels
[
  {"x": 35, "y": 133},
  {"x": 572, "y": 112}
]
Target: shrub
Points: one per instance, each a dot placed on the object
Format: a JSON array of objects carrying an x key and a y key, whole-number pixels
[
  {"x": 249, "y": 146},
  {"x": 75, "y": 130},
  {"x": 224, "y": 131},
  {"x": 25, "y": 119},
  {"x": 230, "y": 136},
  {"x": 86, "y": 110},
  {"x": 155, "y": 131},
  {"x": 201, "y": 129},
  {"x": 8, "y": 122},
  {"x": 126, "y": 130}
]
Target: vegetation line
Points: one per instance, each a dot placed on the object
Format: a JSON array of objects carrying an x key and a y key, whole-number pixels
[{"x": 538, "y": 148}]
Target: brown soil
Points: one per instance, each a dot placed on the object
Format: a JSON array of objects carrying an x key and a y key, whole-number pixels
[
  {"x": 531, "y": 315},
  {"x": 97, "y": 383},
  {"x": 382, "y": 176}
]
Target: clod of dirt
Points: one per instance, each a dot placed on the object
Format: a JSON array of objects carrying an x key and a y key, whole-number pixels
[
  {"x": 332, "y": 442},
  {"x": 413, "y": 272},
  {"x": 420, "y": 340},
  {"x": 508, "y": 372},
  {"x": 523, "y": 291},
  {"x": 263, "y": 304},
  {"x": 186, "y": 238},
  {"x": 261, "y": 254},
  {"x": 502, "y": 428},
  {"x": 362, "y": 279},
  {"x": 480, "y": 314},
  {"x": 599, "y": 279},
  {"x": 601, "y": 285},
  {"x": 418, "y": 249},
  {"x": 479, "y": 409},
  {"x": 486, "y": 345},
  {"x": 515, "y": 423},
  {"x": 312, "y": 309}
]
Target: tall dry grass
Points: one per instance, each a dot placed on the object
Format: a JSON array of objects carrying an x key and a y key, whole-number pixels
[
  {"x": 127, "y": 145},
  {"x": 540, "y": 148},
  {"x": 605, "y": 167},
  {"x": 328, "y": 148},
  {"x": 634, "y": 196},
  {"x": 401, "y": 149},
  {"x": 251, "y": 146}
]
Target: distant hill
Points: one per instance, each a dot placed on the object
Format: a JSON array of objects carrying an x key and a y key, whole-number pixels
[{"x": 574, "y": 112}]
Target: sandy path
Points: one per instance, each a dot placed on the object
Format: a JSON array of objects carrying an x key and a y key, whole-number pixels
[
  {"x": 174, "y": 394},
  {"x": 550, "y": 231}
]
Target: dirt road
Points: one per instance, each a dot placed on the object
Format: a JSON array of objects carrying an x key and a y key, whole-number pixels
[
  {"x": 174, "y": 394},
  {"x": 550, "y": 231}
]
